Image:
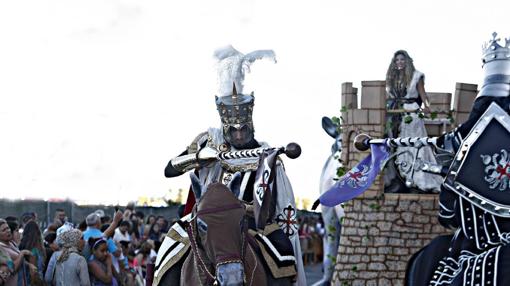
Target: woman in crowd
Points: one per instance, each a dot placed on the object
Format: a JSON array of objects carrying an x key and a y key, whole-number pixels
[
  {"x": 134, "y": 230},
  {"x": 71, "y": 268},
  {"x": 154, "y": 232},
  {"x": 50, "y": 246},
  {"x": 143, "y": 257},
  {"x": 405, "y": 91},
  {"x": 100, "y": 264},
  {"x": 33, "y": 242},
  {"x": 151, "y": 219},
  {"x": 5, "y": 271},
  {"x": 126, "y": 274},
  {"x": 14, "y": 226},
  {"x": 12, "y": 266}
]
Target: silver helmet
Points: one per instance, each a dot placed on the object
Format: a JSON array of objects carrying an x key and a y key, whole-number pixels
[{"x": 496, "y": 68}]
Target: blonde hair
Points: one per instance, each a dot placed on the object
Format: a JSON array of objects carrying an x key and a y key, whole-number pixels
[{"x": 393, "y": 73}]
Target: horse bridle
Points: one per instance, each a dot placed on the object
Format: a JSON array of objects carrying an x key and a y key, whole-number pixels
[{"x": 191, "y": 230}]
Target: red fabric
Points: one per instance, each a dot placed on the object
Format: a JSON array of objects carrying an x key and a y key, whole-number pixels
[{"x": 190, "y": 202}]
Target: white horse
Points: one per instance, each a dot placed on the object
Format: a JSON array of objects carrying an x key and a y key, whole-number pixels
[{"x": 330, "y": 215}]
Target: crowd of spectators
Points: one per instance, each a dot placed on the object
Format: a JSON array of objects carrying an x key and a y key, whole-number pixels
[
  {"x": 311, "y": 233},
  {"x": 100, "y": 250}
]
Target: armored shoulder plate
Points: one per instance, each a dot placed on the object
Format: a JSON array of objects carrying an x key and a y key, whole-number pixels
[{"x": 480, "y": 171}]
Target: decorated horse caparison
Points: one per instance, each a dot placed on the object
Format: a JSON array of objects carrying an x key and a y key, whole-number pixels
[{"x": 215, "y": 245}]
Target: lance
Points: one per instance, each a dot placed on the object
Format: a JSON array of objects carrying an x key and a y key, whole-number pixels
[{"x": 362, "y": 142}]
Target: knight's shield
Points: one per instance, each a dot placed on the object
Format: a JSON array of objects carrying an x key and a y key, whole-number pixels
[{"x": 480, "y": 171}]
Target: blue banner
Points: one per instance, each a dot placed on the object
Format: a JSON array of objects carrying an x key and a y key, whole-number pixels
[{"x": 358, "y": 179}]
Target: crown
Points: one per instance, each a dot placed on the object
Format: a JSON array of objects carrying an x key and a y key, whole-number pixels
[
  {"x": 235, "y": 108},
  {"x": 493, "y": 51},
  {"x": 496, "y": 68}
]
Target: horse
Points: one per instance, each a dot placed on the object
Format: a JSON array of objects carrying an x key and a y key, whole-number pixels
[
  {"x": 330, "y": 215},
  {"x": 219, "y": 248}
]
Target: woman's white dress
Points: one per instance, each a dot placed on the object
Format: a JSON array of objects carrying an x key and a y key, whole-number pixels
[{"x": 416, "y": 128}]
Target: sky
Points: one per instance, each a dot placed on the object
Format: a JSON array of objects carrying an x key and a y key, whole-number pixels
[{"x": 96, "y": 96}]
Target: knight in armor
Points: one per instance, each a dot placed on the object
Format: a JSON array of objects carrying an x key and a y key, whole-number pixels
[
  {"x": 237, "y": 133},
  {"x": 475, "y": 196}
]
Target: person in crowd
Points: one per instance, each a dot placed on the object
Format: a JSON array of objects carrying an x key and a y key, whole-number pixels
[
  {"x": 405, "y": 93},
  {"x": 155, "y": 232},
  {"x": 136, "y": 235},
  {"x": 71, "y": 267},
  {"x": 121, "y": 233},
  {"x": 60, "y": 216},
  {"x": 14, "y": 226},
  {"x": 93, "y": 231},
  {"x": 27, "y": 217},
  {"x": 32, "y": 241},
  {"x": 5, "y": 271},
  {"x": 100, "y": 213},
  {"x": 151, "y": 219},
  {"x": 50, "y": 246},
  {"x": 129, "y": 211},
  {"x": 141, "y": 216},
  {"x": 82, "y": 226},
  {"x": 163, "y": 223},
  {"x": 16, "y": 272},
  {"x": 50, "y": 268},
  {"x": 106, "y": 220},
  {"x": 52, "y": 227},
  {"x": 117, "y": 255},
  {"x": 143, "y": 257},
  {"x": 126, "y": 274},
  {"x": 100, "y": 264}
]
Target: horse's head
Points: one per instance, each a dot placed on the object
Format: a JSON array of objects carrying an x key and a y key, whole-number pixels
[
  {"x": 332, "y": 130},
  {"x": 218, "y": 230}
]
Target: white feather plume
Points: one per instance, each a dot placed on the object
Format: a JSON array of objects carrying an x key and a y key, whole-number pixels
[{"x": 233, "y": 65}]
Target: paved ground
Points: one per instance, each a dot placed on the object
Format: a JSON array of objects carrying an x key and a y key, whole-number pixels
[{"x": 313, "y": 273}]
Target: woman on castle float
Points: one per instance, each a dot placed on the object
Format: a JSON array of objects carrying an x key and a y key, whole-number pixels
[{"x": 405, "y": 90}]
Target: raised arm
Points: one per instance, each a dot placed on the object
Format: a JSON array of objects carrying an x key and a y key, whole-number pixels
[{"x": 111, "y": 229}]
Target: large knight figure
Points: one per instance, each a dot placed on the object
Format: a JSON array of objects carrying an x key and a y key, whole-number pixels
[
  {"x": 236, "y": 133},
  {"x": 475, "y": 196}
]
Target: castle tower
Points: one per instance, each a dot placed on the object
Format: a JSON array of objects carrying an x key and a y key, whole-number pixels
[{"x": 381, "y": 231}]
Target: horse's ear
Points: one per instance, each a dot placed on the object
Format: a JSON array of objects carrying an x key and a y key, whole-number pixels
[
  {"x": 329, "y": 127},
  {"x": 196, "y": 186},
  {"x": 235, "y": 184}
]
